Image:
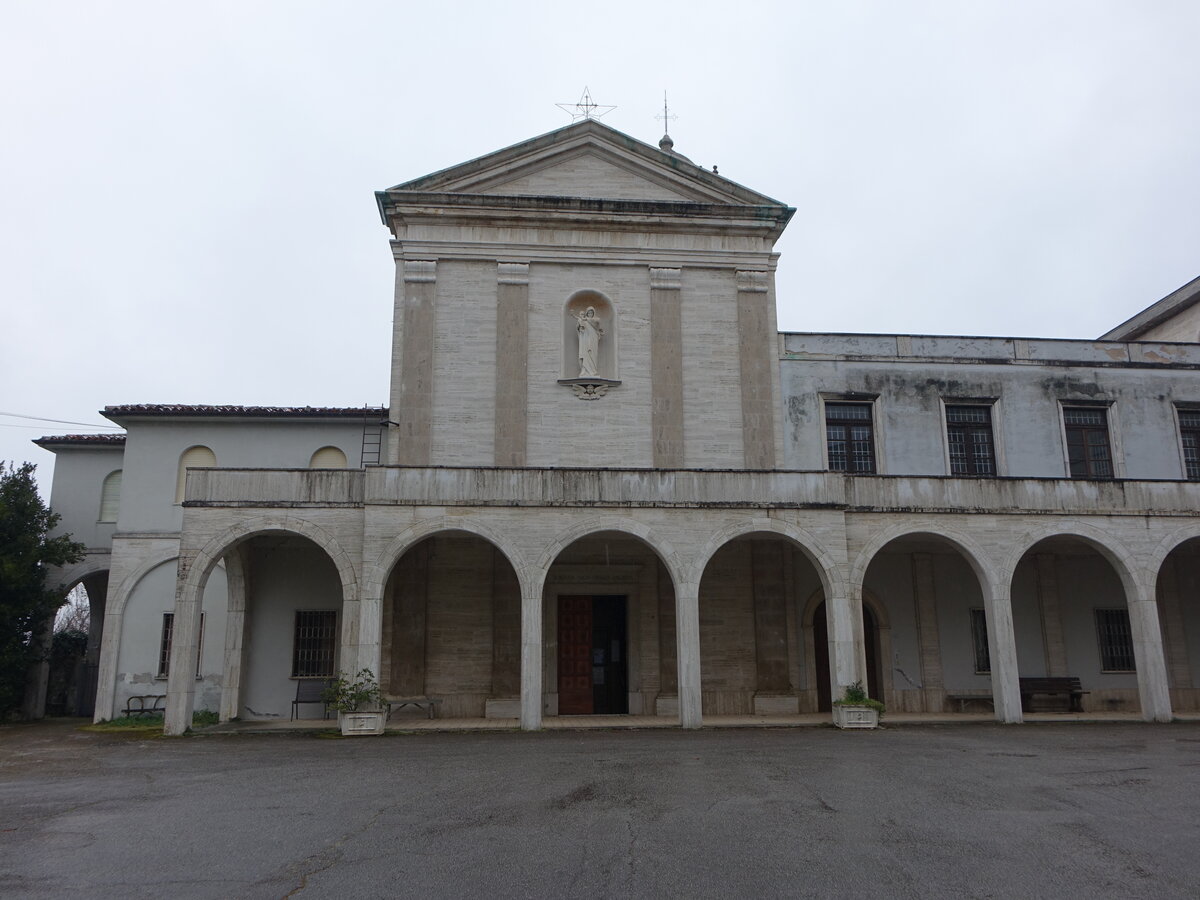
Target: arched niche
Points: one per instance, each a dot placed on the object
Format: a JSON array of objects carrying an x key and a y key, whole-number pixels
[{"x": 589, "y": 339}]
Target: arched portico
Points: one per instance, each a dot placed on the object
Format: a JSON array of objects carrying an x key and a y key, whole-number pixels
[
  {"x": 1174, "y": 568},
  {"x": 940, "y": 578},
  {"x": 612, "y": 624},
  {"x": 303, "y": 595},
  {"x": 1098, "y": 617},
  {"x": 753, "y": 577}
]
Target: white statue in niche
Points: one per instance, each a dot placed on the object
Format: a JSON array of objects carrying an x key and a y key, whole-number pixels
[{"x": 590, "y": 333}]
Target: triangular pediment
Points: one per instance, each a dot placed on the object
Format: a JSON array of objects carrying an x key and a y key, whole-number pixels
[{"x": 593, "y": 161}]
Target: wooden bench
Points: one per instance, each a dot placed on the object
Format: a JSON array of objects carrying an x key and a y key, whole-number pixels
[
  {"x": 136, "y": 705},
  {"x": 963, "y": 699},
  {"x": 1067, "y": 687},
  {"x": 429, "y": 704}
]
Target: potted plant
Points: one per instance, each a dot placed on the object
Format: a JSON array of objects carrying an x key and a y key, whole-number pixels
[
  {"x": 855, "y": 709},
  {"x": 358, "y": 702}
]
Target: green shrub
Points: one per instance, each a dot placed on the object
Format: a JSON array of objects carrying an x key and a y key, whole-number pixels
[{"x": 856, "y": 695}]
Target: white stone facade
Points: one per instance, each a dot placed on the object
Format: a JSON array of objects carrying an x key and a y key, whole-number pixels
[{"x": 687, "y": 497}]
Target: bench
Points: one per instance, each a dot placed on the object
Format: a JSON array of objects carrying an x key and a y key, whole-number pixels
[
  {"x": 136, "y": 705},
  {"x": 963, "y": 699},
  {"x": 312, "y": 690},
  {"x": 1067, "y": 687},
  {"x": 429, "y": 704}
]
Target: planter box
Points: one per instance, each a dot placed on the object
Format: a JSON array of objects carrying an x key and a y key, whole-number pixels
[
  {"x": 353, "y": 723},
  {"x": 855, "y": 717}
]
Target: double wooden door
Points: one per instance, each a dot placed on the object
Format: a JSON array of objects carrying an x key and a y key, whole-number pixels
[{"x": 592, "y": 663}]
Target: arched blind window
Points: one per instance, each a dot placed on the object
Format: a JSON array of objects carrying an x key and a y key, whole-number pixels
[
  {"x": 193, "y": 458},
  {"x": 110, "y": 497},
  {"x": 328, "y": 458}
]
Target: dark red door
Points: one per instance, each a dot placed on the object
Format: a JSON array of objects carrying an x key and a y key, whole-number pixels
[{"x": 574, "y": 656}]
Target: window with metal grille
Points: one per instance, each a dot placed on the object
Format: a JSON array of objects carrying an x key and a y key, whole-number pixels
[
  {"x": 969, "y": 434},
  {"x": 1088, "y": 449},
  {"x": 1116, "y": 640},
  {"x": 1189, "y": 434},
  {"x": 850, "y": 437},
  {"x": 164, "y": 647},
  {"x": 314, "y": 644},
  {"x": 979, "y": 642}
]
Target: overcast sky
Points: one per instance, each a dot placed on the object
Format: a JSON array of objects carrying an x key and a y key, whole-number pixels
[{"x": 188, "y": 214}]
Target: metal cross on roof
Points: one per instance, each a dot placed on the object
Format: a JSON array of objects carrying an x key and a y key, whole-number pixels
[
  {"x": 667, "y": 116},
  {"x": 586, "y": 108}
]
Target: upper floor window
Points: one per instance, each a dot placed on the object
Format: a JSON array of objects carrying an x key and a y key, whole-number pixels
[
  {"x": 850, "y": 437},
  {"x": 1089, "y": 453},
  {"x": 198, "y": 457},
  {"x": 110, "y": 497},
  {"x": 1189, "y": 434},
  {"x": 328, "y": 458},
  {"x": 969, "y": 437}
]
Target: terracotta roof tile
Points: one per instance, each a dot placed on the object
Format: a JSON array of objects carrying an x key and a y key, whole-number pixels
[
  {"x": 257, "y": 412},
  {"x": 102, "y": 440}
]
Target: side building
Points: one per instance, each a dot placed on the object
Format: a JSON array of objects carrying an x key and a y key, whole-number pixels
[{"x": 608, "y": 484}]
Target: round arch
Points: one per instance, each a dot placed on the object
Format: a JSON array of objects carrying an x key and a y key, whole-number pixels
[
  {"x": 76, "y": 573},
  {"x": 219, "y": 545},
  {"x": 827, "y": 569},
  {"x": 665, "y": 552},
  {"x": 979, "y": 561},
  {"x": 1112, "y": 550},
  {"x": 1168, "y": 545},
  {"x": 375, "y": 578}
]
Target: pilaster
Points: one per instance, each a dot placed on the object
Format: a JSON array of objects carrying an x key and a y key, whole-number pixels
[
  {"x": 512, "y": 363},
  {"x": 924, "y": 591},
  {"x": 758, "y": 359},
  {"x": 666, "y": 367},
  {"x": 412, "y": 398},
  {"x": 1052, "y": 626}
]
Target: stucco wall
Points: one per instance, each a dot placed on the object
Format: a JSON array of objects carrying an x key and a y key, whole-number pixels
[{"x": 75, "y": 493}]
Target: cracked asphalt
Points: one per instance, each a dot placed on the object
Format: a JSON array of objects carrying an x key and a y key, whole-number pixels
[{"x": 930, "y": 811}]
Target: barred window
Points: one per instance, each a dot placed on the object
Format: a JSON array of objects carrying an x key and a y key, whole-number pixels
[
  {"x": 850, "y": 437},
  {"x": 1189, "y": 434},
  {"x": 315, "y": 643},
  {"x": 969, "y": 434},
  {"x": 164, "y": 647},
  {"x": 979, "y": 641},
  {"x": 1116, "y": 640},
  {"x": 1088, "y": 451}
]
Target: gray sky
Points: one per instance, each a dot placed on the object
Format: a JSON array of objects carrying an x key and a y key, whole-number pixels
[{"x": 188, "y": 211}]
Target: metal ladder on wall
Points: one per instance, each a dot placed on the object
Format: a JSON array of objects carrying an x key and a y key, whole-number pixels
[{"x": 374, "y": 422}]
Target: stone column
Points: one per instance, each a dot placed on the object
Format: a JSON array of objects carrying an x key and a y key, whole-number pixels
[
  {"x": 666, "y": 368},
  {"x": 1002, "y": 651},
  {"x": 758, "y": 358},
  {"x": 237, "y": 587},
  {"x": 412, "y": 376},
  {"x": 512, "y": 363},
  {"x": 932, "y": 685},
  {"x": 181, "y": 673},
  {"x": 531, "y": 656},
  {"x": 1148, "y": 657},
  {"x": 847, "y": 661},
  {"x": 106, "y": 680},
  {"x": 687, "y": 642},
  {"x": 1174, "y": 636},
  {"x": 1052, "y": 627},
  {"x": 506, "y": 629}
]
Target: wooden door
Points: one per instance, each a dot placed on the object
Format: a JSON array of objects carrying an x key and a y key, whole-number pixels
[{"x": 574, "y": 656}]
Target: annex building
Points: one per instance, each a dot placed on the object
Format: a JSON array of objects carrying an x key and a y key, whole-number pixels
[{"x": 606, "y": 483}]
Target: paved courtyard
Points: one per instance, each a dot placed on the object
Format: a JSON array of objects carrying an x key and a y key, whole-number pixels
[{"x": 972, "y": 810}]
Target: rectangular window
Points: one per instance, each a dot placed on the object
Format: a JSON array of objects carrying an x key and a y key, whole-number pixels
[
  {"x": 969, "y": 434},
  {"x": 314, "y": 643},
  {"x": 1088, "y": 449},
  {"x": 1189, "y": 434},
  {"x": 850, "y": 437},
  {"x": 164, "y": 647},
  {"x": 979, "y": 642},
  {"x": 1116, "y": 640}
]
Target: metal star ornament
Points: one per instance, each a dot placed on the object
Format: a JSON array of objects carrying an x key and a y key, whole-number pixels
[{"x": 586, "y": 108}]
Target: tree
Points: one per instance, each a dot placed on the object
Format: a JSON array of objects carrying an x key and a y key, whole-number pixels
[{"x": 26, "y": 550}]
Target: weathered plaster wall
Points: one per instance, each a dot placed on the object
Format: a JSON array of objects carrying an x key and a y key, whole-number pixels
[{"x": 75, "y": 493}]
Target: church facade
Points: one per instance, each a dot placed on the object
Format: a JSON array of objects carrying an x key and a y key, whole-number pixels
[{"x": 606, "y": 483}]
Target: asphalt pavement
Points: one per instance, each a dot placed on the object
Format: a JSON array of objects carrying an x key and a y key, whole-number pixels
[{"x": 1080, "y": 810}]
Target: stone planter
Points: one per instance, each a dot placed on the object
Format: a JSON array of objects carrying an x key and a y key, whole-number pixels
[
  {"x": 353, "y": 723},
  {"x": 855, "y": 717}
]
